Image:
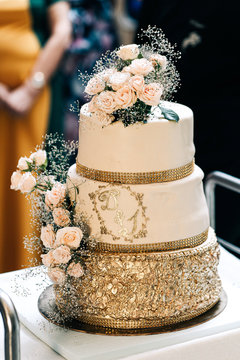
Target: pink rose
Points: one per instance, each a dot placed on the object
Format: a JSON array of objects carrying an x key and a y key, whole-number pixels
[
  {"x": 57, "y": 275},
  {"x": 136, "y": 83},
  {"x": 27, "y": 183},
  {"x": 61, "y": 255},
  {"x": 103, "y": 118},
  {"x": 95, "y": 85},
  {"x": 141, "y": 67},
  {"x": 118, "y": 79},
  {"x": 56, "y": 196},
  {"x": 23, "y": 163},
  {"x": 70, "y": 236},
  {"x": 125, "y": 97},
  {"x": 151, "y": 94},
  {"x": 105, "y": 101},
  {"x": 159, "y": 59},
  {"x": 48, "y": 236},
  {"x": 48, "y": 259},
  {"x": 105, "y": 74},
  {"x": 39, "y": 156},
  {"x": 128, "y": 52},
  {"x": 75, "y": 270},
  {"x": 61, "y": 216},
  {"x": 15, "y": 180}
]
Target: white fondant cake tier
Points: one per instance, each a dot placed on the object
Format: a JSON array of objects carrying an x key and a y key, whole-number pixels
[
  {"x": 158, "y": 145},
  {"x": 141, "y": 214}
]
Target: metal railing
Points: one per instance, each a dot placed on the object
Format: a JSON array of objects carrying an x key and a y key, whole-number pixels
[
  {"x": 228, "y": 182},
  {"x": 11, "y": 327}
]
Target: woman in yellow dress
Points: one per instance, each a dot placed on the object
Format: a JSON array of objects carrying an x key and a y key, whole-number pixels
[{"x": 33, "y": 37}]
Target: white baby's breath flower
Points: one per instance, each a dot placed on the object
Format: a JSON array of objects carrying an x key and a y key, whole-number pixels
[
  {"x": 15, "y": 180},
  {"x": 23, "y": 163},
  {"x": 27, "y": 183},
  {"x": 39, "y": 157},
  {"x": 128, "y": 52}
]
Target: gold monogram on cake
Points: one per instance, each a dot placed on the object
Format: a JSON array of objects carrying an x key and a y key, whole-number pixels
[{"x": 115, "y": 218}]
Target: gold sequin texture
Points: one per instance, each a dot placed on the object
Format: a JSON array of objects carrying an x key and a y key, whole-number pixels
[
  {"x": 146, "y": 289},
  {"x": 135, "y": 177}
]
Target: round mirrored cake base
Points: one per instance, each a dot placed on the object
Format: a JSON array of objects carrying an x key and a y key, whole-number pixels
[{"x": 48, "y": 309}]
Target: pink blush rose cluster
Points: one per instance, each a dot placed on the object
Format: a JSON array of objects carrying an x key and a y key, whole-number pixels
[
  {"x": 61, "y": 251},
  {"x": 130, "y": 82}
]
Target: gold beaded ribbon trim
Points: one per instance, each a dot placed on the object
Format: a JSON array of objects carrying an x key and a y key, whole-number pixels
[
  {"x": 190, "y": 242},
  {"x": 136, "y": 177},
  {"x": 143, "y": 323}
]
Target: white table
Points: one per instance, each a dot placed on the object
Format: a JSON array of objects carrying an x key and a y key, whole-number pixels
[{"x": 217, "y": 339}]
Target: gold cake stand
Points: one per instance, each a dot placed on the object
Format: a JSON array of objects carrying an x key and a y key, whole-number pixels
[{"x": 48, "y": 309}]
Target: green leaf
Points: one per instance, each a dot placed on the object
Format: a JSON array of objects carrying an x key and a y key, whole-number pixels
[
  {"x": 169, "y": 114},
  {"x": 140, "y": 56}
]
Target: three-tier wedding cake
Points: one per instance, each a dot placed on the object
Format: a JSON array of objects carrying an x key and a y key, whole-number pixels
[{"x": 137, "y": 187}]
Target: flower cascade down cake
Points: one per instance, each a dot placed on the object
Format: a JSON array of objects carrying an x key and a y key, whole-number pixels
[{"x": 155, "y": 258}]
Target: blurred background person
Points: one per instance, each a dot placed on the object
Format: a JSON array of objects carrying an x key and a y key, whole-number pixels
[
  {"x": 206, "y": 33},
  {"x": 33, "y": 38},
  {"x": 94, "y": 33}
]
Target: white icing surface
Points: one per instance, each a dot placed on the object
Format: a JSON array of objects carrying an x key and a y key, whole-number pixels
[
  {"x": 175, "y": 210},
  {"x": 158, "y": 145}
]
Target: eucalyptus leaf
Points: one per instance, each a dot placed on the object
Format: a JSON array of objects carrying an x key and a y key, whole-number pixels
[{"x": 169, "y": 114}]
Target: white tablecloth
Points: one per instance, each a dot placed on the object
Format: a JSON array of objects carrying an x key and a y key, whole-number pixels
[{"x": 217, "y": 339}]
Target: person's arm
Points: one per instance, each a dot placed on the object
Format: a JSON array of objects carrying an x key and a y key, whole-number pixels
[{"x": 20, "y": 100}]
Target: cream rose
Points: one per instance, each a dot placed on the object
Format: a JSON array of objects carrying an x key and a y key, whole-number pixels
[
  {"x": 75, "y": 270},
  {"x": 105, "y": 101},
  {"x": 57, "y": 275},
  {"x": 48, "y": 236},
  {"x": 95, "y": 85},
  {"x": 159, "y": 59},
  {"x": 61, "y": 255},
  {"x": 128, "y": 52},
  {"x": 103, "y": 118},
  {"x": 105, "y": 74},
  {"x": 70, "y": 236},
  {"x": 15, "y": 180},
  {"x": 56, "y": 196},
  {"x": 136, "y": 83},
  {"x": 23, "y": 163},
  {"x": 39, "y": 157},
  {"x": 61, "y": 216},
  {"x": 125, "y": 97},
  {"x": 48, "y": 259},
  {"x": 141, "y": 67},
  {"x": 151, "y": 94},
  {"x": 27, "y": 183},
  {"x": 118, "y": 79}
]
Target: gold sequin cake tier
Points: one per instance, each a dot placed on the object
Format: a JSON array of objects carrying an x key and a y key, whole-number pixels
[{"x": 142, "y": 290}]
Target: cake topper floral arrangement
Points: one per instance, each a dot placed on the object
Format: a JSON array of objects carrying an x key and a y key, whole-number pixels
[
  {"x": 127, "y": 83},
  {"x": 63, "y": 241}
]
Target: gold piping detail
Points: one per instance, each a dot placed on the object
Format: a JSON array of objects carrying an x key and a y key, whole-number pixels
[
  {"x": 164, "y": 246},
  {"x": 135, "y": 177},
  {"x": 143, "y": 323}
]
